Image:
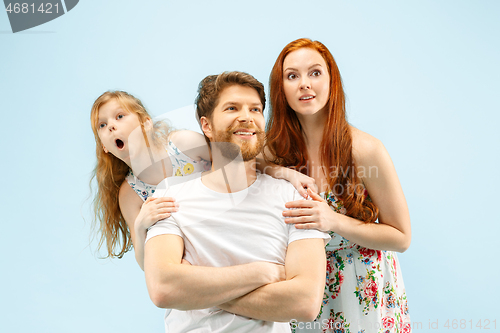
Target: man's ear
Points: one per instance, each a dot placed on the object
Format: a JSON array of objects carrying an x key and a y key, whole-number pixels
[{"x": 206, "y": 127}]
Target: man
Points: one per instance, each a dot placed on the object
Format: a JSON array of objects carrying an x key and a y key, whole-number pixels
[{"x": 230, "y": 228}]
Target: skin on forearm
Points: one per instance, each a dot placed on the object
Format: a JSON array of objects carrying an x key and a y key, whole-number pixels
[
  {"x": 138, "y": 241},
  {"x": 184, "y": 287},
  {"x": 281, "y": 302},
  {"x": 376, "y": 236},
  {"x": 268, "y": 168},
  {"x": 299, "y": 297}
]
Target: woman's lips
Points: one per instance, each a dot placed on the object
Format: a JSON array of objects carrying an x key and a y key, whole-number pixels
[{"x": 307, "y": 98}]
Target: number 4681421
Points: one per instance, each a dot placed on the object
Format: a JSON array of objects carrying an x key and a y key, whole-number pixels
[
  {"x": 25, "y": 8},
  {"x": 484, "y": 324}
]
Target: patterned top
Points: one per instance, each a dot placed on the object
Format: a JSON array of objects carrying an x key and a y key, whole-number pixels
[
  {"x": 182, "y": 165},
  {"x": 364, "y": 289}
]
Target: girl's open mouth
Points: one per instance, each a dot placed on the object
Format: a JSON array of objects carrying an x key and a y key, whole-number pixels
[{"x": 119, "y": 143}]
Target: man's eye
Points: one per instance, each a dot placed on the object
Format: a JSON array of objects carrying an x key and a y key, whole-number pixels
[
  {"x": 231, "y": 108},
  {"x": 256, "y": 109}
]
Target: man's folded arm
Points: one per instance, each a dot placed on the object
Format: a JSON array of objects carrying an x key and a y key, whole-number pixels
[
  {"x": 185, "y": 287},
  {"x": 299, "y": 297}
]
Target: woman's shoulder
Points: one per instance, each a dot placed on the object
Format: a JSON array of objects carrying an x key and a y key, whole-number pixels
[{"x": 365, "y": 147}]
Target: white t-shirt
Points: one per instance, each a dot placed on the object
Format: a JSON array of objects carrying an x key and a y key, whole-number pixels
[{"x": 227, "y": 229}]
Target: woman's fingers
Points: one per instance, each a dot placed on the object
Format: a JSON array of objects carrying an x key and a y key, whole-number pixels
[
  {"x": 297, "y": 212},
  {"x": 315, "y": 196},
  {"x": 306, "y": 226},
  {"x": 300, "y": 204},
  {"x": 299, "y": 219}
]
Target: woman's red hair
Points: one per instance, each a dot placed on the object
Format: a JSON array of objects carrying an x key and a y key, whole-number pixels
[{"x": 285, "y": 139}]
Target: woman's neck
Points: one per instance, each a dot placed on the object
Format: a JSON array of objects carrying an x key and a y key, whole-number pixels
[{"x": 313, "y": 126}]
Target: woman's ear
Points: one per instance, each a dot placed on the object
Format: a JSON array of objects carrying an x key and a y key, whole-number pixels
[{"x": 206, "y": 127}]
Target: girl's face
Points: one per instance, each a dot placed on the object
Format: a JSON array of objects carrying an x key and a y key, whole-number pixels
[
  {"x": 306, "y": 81},
  {"x": 114, "y": 127}
]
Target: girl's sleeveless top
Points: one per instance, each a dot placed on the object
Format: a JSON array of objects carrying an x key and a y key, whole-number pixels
[{"x": 182, "y": 165}]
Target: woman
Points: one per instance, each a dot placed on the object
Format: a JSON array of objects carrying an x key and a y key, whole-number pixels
[
  {"x": 308, "y": 131},
  {"x": 129, "y": 146}
]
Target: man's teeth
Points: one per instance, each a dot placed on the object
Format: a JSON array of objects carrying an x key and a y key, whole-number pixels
[
  {"x": 307, "y": 97},
  {"x": 243, "y": 133}
]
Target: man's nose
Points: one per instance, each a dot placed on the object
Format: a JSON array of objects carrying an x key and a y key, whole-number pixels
[{"x": 245, "y": 115}]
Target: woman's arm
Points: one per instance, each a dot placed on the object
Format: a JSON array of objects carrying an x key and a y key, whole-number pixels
[
  {"x": 393, "y": 232},
  {"x": 300, "y": 181},
  {"x": 141, "y": 215},
  {"x": 193, "y": 145}
]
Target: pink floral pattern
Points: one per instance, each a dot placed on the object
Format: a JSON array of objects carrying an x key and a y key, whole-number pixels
[{"x": 364, "y": 289}]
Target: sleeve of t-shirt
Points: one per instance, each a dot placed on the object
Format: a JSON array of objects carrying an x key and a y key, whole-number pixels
[
  {"x": 167, "y": 226},
  {"x": 164, "y": 227},
  {"x": 297, "y": 234}
]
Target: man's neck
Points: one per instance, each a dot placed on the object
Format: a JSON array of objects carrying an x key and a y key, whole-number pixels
[{"x": 229, "y": 176}]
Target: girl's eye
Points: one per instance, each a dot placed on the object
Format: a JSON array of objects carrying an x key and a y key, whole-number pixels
[
  {"x": 101, "y": 125},
  {"x": 120, "y": 116},
  {"x": 316, "y": 73},
  {"x": 291, "y": 76}
]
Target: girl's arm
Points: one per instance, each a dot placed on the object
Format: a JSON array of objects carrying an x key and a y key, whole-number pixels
[
  {"x": 393, "y": 232},
  {"x": 141, "y": 215},
  {"x": 193, "y": 144}
]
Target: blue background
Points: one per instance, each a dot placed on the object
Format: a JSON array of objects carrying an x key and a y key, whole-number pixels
[{"x": 422, "y": 76}]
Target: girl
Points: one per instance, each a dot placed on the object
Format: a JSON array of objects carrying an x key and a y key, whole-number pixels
[
  {"x": 129, "y": 145},
  {"x": 308, "y": 130}
]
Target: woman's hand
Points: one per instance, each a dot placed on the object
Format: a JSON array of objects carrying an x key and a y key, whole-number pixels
[
  {"x": 311, "y": 214},
  {"x": 154, "y": 210},
  {"x": 300, "y": 181}
]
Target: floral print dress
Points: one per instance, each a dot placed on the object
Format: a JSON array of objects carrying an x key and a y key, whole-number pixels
[
  {"x": 182, "y": 165},
  {"x": 364, "y": 291}
]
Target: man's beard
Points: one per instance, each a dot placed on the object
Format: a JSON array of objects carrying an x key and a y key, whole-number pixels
[{"x": 231, "y": 150}]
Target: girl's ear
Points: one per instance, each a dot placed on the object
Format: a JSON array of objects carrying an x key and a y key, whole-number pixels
[
  {"x": 105, "y": 150},
  {"x": 148, "y": 124},
  {"x": 206, "y": 127}
]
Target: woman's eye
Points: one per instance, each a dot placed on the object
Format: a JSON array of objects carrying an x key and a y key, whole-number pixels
[
  {"x": 316, "y": 73},
  {"x": 291, "y": 76}
]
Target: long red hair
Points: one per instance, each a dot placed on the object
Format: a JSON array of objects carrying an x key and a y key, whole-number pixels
[
  {"x": 285, "y": 139},
  {"x": 110, "y": 172}
]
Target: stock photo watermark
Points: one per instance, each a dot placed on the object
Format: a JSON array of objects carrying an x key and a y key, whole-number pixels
[
  {"x": 388, "y": 323},
  {"x": 24, "y": 15}
]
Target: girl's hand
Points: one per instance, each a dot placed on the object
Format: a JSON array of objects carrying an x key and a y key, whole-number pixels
[
  {"x": 311, "y": 214},
  {"x": 154, "y": 210},
  {"x": 300, "y": 181}
]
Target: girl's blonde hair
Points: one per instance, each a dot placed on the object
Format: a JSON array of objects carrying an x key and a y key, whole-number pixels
[{"x": 110, "y": 173}]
